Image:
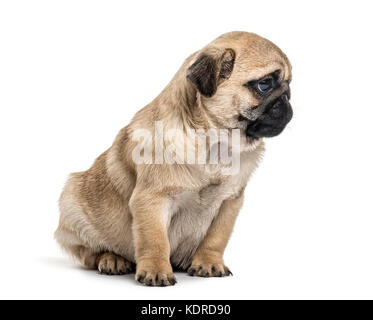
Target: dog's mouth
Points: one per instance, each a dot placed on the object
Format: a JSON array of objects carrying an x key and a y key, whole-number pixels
[{"x": 272, "y": 121}]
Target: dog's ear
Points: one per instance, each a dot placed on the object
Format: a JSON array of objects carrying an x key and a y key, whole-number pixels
[{"x": 211, "y": 68}]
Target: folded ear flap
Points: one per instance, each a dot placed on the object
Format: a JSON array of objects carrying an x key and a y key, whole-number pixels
[{"x": 211, "y": 68}]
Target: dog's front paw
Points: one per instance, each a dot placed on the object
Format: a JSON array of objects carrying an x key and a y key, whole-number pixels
[
  {"x": 155, "y": 274},
  {"x": 209, "y": 270}
]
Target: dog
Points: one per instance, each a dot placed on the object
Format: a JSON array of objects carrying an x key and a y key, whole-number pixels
[{"x": 121, "y": 216}]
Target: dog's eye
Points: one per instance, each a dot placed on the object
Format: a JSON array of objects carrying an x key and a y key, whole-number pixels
[{"x": 265, "y": 85}]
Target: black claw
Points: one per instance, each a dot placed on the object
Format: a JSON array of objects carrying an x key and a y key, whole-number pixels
[
  {"x": 149, "y": 282},
  {"x": 205, "y": 274},
  {"x": 213, "y": 269},
  {"x": 220, "y": 274},
  {"x": 172, "y": 281},
  {"x": 163, "y": 283},
  {"x": 140, "y": 279},
  {"x": 192, "y": 272}
]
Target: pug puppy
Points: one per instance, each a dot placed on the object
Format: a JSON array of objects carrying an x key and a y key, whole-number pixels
[{"x": 121, "y": 216}]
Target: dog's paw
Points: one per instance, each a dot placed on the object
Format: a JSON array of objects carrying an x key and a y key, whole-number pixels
[
  {"x": 209, "y": 270},
  {"x": 154, "y": 275},
  {"x": 155, "y": 279},
  {"x": 112, "y": 264}
]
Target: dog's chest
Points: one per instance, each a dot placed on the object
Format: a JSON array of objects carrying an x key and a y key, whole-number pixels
[{"x": 191, "y": 213}]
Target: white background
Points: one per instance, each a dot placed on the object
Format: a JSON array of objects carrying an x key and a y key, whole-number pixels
[{"x": 73, "y": 73}]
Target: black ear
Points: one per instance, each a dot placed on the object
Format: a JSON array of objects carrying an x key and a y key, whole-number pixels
[{"x": 210, "y": 69}]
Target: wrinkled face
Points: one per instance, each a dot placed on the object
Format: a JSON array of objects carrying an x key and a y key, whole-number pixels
[
  {"x": 249, "y": 90},
  {"x": 266, "y": 110}
]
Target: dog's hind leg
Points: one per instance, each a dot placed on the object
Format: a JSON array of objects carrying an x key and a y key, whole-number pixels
[
  {"x": 112, "y": 264},
  {"x": 105, "y": 262}
]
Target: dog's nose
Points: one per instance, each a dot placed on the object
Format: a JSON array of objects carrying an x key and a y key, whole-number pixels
[
  {"x": 281, "y": 109},
  {"x": 285, "y": 97},
  {"x": 286, "y": 89},
  {"x": 288, "y": 93}
]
